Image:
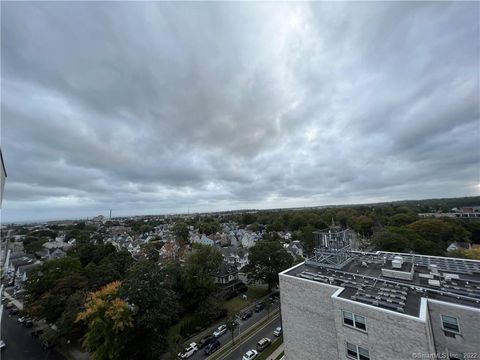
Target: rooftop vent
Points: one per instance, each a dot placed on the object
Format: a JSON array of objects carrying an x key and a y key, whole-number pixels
[{"x": 397, "y": 262}]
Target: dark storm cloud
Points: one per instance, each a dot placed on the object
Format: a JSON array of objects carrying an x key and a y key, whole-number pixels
[{"x": 161, "y": 107}]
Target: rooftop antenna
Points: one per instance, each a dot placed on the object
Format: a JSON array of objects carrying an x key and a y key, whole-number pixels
[{"x": 332, "y": 249}]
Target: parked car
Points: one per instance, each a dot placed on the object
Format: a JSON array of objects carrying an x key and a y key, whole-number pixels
[
  {"x": 222, "y": 329},
  {"x": 188, "y": 351},
  {"x": 263, "y": 343},
  {"x": 212, "y": 347},
  {"x": 2, "y": 345},
  {"x": 247, "y": 314},
  {"x": 274, "y": 297},
  {"x": 21, "y": 319},
  {"x": 205, "y": 341},
  {"x": 250, "y": 355},
  {"x": 278, "y": 331},
  {"x": 259, "y": 307}
]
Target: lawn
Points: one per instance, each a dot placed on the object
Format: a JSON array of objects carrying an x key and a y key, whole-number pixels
[
  {"x": 236, "y": 304},
  {"x": 256, "y": 292}
]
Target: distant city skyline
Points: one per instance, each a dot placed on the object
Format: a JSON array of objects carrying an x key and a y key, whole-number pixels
[
  {"x": 106, "y": 213},
  {"x": 154, "y": 108}
]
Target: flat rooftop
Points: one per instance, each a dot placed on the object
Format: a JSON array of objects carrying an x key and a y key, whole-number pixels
[{"x": 370, "y": 278}]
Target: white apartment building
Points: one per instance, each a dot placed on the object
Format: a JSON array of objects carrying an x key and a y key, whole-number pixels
[{"x": 380, "y": 306}]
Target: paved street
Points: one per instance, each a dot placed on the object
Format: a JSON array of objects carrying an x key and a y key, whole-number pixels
[
  {"x": 20, "y": 344},
  {"x": 244, "y": 325},
  {"x": 251, "y": 341}
]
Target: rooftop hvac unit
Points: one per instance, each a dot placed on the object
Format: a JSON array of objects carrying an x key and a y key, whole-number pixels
[{"x": 397, "y": 262}]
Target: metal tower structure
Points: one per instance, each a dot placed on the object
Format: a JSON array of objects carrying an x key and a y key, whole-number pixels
[{"x": 332, "y": 248}]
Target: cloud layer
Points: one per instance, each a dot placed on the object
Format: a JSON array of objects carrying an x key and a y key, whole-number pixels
[{"x": 162, "y": 107}]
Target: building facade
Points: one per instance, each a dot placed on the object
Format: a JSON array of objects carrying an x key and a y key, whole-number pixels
[
  {"x": 3, "y": 177},
  {"x": 382, "y": 306}
]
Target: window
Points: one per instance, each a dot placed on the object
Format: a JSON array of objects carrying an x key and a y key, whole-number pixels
[
  {"x": 352, "y": 351},
  {"x": 354, "y": 320},
  {"x": 363, "y": 354},
  {"x": 357, "y": 352},
  {"x": 348, "y": 318},
  {"x": 360, "y": 322},
  {"x": 450, "y": 323}
]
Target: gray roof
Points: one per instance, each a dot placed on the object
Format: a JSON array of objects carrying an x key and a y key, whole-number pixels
[{"x": 364, "y": 280}]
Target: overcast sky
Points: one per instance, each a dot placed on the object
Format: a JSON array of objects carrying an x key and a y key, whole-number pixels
[{"x": 161, "y": 107}]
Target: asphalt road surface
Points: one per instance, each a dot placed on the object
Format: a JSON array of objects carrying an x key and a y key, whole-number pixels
[
  {"x": 251, "y": 341},
  {"x": 244, "y": 325},
  {"x": 20, "y": 344}
]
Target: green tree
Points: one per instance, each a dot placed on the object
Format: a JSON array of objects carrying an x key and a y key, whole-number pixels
[
  {"x": 43, "y": 233},
  {"x": 232, "y": 324},
  {"x": 109, "y": 321},
  {"x": 156, "y": 310},
  {"x": 297, "y": 221},
  {"x": 390, "y": 241},
  {"x": 50, "y": 285},
  {"x": 267, "y": 259},
  {"x": 248, "y": 218},
  {"x": 307, "y": 238},
  {"x": 209, "y": 227},
  {"x": 473, "y": 254},
  {"x": 32, "y": 244},
  {"x": 151, "y": 251},
  {"x": 67, "y": 325},
  {"x": 180, "y": 230},
  {"x": 440, "y": 231},
  {"x": 200, "y": 266},
  {"x": 402, "y": 219},
  {"x": 89, "y": 252},
  {"x": 361, "y": 224}
]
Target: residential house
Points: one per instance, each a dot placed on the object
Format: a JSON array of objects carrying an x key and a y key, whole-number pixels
[
  {"x": 204, "y": 240},
  {"x": 458, "y": 246},
  {"x": 237, "y": 257},
  {"x": 56, "y": 254},
  {"x": 24, "y": 270},
  {"x": 52, "y": 245},
  {"x": 226, "y": 274},
  {"x": 295, "y": 248},
  {"x": 169, "y": 250},
  {"x": 249, "y": 239}
]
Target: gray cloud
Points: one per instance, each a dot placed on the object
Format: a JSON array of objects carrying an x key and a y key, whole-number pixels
[{"x": 161, "y": 107}]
